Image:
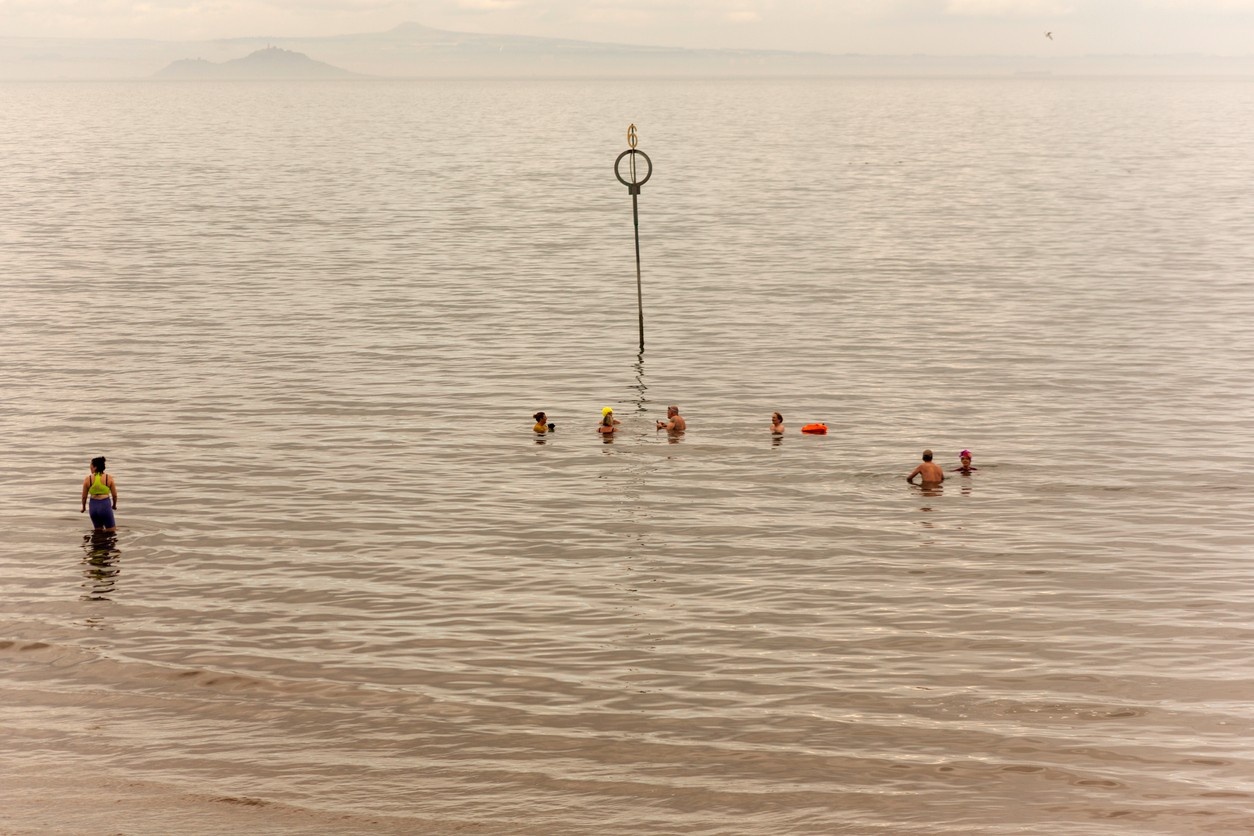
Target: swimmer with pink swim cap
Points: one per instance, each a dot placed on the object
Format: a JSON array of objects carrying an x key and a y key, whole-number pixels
[{"x": 965, "y": 458}]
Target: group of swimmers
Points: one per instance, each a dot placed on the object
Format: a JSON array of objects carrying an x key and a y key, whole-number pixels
[
  {"x": 674, "y": 422},
  {"x": 930, "y": 474},
  {"x": 608, "y": 425},
  {"x": 101, "y": 491}
]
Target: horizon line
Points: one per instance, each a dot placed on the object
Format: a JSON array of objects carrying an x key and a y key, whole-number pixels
[{"x": 622, "y": 45}]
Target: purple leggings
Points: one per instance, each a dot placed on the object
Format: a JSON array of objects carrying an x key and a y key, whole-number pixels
[{"x": 101, "y": 511}]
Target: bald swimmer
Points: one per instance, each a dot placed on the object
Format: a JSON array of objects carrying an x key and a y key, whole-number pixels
[{"x": 929, "y": 473}]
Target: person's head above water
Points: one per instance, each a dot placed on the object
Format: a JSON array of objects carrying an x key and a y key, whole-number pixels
[
  {"x": 539, "y": 417},
  {"x": 777, "y": 418},
  {"x": 98, "y": 464},
  {"x": 965, "y": 456},
  {"x": 927, "y": 455}
]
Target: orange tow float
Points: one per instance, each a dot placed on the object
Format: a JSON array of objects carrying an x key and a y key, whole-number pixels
[{"x": 815, "y": 429}]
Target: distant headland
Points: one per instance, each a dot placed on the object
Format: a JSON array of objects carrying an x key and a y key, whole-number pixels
[
  {"x": 411, "y": 50},
  {"x": 269, "y": 63}
]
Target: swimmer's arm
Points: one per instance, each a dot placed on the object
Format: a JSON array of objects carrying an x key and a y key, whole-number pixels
[
  {"x": 113, "y": 489},
  {"x": 86, "y": 482},
  {"x": 913, "y": 474}
]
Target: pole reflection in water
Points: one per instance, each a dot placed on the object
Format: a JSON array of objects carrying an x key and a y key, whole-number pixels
[
  {"x": 635, "y": 541},
  {"x": 640, "y": 387},
  {"x": 100, "y": 565},
  {"x": 638, "y": 397}
]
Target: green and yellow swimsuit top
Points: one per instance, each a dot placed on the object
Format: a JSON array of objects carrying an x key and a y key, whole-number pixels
[{"x": 98, "y": 489}]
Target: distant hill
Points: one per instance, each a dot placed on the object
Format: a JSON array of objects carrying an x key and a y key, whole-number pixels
[
  {"x": 411, "y": 50},
  {"x": 271, "y": 62}
]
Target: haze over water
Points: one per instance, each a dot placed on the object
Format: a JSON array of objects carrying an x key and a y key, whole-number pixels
[{"x": 308, "y": 325}]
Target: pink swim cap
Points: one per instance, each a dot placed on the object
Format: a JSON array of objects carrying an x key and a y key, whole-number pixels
[{"x": 965, "y": 454}]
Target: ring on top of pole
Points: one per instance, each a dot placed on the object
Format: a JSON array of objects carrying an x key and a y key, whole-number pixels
[{"x": 633, "y": 185}]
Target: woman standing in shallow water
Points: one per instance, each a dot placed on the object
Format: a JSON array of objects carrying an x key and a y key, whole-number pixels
[{"x": 103, "y": 491}]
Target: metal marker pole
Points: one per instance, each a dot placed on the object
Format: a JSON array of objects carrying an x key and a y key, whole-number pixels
[
  {"x": 635, "y": 220},
  {"x": 633, "y": 187}
]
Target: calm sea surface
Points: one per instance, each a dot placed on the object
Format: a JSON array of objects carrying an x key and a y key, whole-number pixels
[{"x": 308, "y": 325}]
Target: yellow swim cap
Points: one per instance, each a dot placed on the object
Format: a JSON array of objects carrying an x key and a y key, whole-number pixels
[{"x": 607, "y": 410}]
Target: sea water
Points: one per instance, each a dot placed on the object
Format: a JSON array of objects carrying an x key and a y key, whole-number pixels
[{"x": 308, "y": 324}]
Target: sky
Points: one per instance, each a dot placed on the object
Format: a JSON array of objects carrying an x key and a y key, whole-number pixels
[{"x": 897, "y": 27}]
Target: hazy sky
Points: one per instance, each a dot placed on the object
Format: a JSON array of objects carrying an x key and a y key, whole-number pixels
[{"x": 1224, "y": 27}]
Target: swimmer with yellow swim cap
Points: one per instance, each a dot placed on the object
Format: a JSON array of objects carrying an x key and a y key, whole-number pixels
[{"x": 608, "y": 421}]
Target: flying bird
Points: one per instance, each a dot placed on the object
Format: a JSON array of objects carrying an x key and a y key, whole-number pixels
[{"x": 1049, "y": 35}]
